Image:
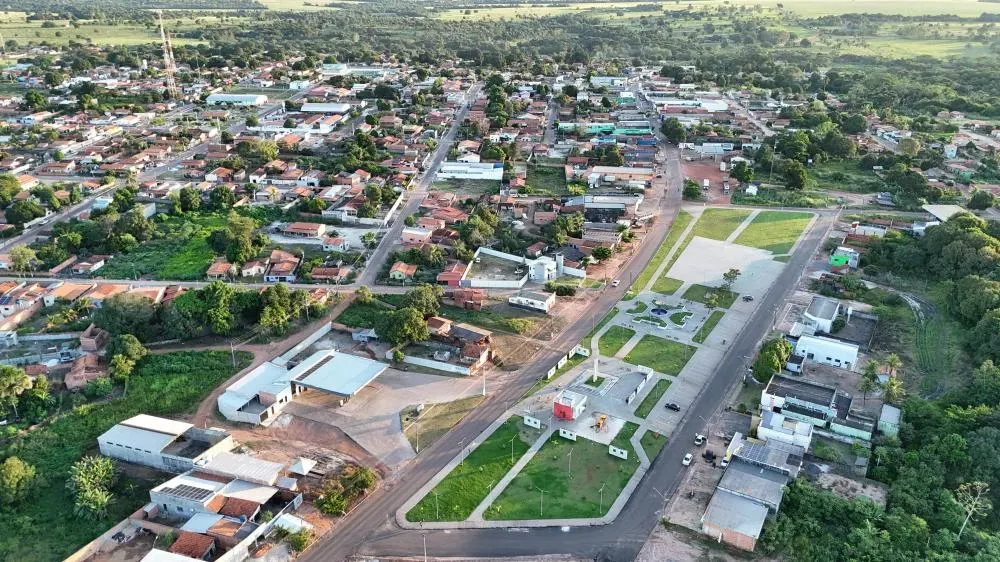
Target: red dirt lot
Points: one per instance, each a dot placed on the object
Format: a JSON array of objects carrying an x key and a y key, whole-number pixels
[{"x": 707, "y": 169}]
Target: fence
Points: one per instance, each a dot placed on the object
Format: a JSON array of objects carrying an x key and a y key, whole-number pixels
[{"x": 437, "y": 365}]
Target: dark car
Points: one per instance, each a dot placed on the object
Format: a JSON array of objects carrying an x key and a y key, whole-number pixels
[
  {"x": 747, "y": 298},
  {"x": 672, "y": 406}
]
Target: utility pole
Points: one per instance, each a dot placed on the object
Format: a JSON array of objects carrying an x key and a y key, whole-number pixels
[
  {"x": 512, "y": 450},
  {"x": 600, "y": 509},
  {"x": 569, "y": 471},
  {"x": 541, "y": 502},
  {"x": 437, "y": 506},
  {"x": 232, "y": 350},
  {"x": 425, "y": 547}
]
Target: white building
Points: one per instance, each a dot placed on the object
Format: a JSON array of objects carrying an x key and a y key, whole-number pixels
[
  {"x": 828, "y": 351},
  {"x": 471, "y": 171},
  {"x": 338, "y": 108},
  {"x": 950, "y": 151},
  {"x": 163, "y": 444},
  {"x": 245, "y": 100},
  {"x": 821, "y": 313},
  {"x": 609, "y": 81},
  {"x": 533, "y": 300},
  {"x": 298, "y": 84},
  {"x": 777, "y": 427}
]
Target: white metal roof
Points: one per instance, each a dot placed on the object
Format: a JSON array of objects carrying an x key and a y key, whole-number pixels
[
  {"x": 142, "y": 439},
  {"x": 153, "y": 423},
  {"x": 335, "y": 372},
  {"x": 241, "y": 489},
  {"x": 302, "y": 466},
  {"x": 201, "y": 522},
  {"x": 244, "y": 467}
]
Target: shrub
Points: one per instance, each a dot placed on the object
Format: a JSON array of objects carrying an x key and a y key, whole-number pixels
[
  {"x": 838, "y": 324},
  {"x": 97, "y": 388},
  {"x": 299, "y": 540}
]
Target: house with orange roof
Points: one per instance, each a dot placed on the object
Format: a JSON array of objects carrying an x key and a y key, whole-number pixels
[
  {"x": 103, "y": 292},
  {"x": 282, "y": 268},
  {"x": 89, "y": 265},
  {"x": 154, "y": 294},
  {"x": 452, "y": 274},
  {"x": 402, "y": 271},
  {"x": 220, "y": 270}
]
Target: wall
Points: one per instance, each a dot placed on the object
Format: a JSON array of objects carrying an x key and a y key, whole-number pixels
[
  {"x": 769, "y": 434},
  {"x": 739, "y": 540},
  {"x": 94, "y": 546},
  {"x": 304, "y": 344},
  {"x": 848, "y": 431},
  {"x": 437, "y": 365}
]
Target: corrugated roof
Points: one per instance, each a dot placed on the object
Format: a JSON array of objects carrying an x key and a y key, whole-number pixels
[
  {"x": 244, "y": 467},
  {"x": 335, "y": 372},
  {"x": 154, "y": 423},
  {"x": 732, "y": 512}
]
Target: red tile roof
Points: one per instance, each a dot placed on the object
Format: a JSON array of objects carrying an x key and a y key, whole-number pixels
[
  {"x": 236, "y": 507},
  {"x": 193, "y": 545}
]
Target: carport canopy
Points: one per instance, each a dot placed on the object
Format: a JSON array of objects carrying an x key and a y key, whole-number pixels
[{"x": 336, "y": 373}]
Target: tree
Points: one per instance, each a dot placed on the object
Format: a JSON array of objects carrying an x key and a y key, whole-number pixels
[
  {"x": 892, "y": 390},
  {"x": 13, "y": 382},
  {"x": 691, "y": 191},
  {"x": 870, "y": 370},
  {"x": 972, "y": 497},
  {"x": 93, "y": 503},
  {"x": 730, "y": 277},
  {"x": 190, "y": 199},
  {"x": 121, "y": 367},
  {"x": 222, "y": 198},
  {"x": 363, "y": 295},
  {"x": 253, "y": 120},
  {"x": 289, "y": 123},
  {"x": 772, "y": 358},
  {"x": 368, "y": 239},
  {"x": 9, "y": 187},
  {"x": 601, "y": 253},
  {"x": 673, "y": 130},
  {"x": 91, "y": 472},
  {"x": 742, "y": 171},
  {"x": 22, "y": 258},
  {"x": 424, "y": 298},
  {"x": 892, "y": 364},
  {"x": 24, "y": 210},
  {"x": 909, "y": 146},
  {"x": 402, "y": 325},
  {"x": 331, "y": 500},
  {"x": 126, "y": 313},
  {"x": 981, "y": 200},
  {"x": 124, "y": 198},
  {"x": 17, "y": 479},
  {"x": 867, "y": 385},
  {"x": 795, "y": 174}
]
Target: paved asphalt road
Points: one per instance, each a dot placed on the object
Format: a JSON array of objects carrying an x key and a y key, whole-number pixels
[
  {"x": 370, "y": 527},
  {"x": 415, "y": 197}
]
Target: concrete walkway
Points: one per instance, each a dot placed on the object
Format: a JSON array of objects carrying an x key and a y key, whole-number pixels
[
  {"x": 661, "y": 269},
  {"x": 743, "y": 226}
]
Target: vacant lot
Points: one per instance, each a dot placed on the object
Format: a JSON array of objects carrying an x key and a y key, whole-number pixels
[
  {"x": 647, "y": 404},
  {"x": 613, "y": 340},
  {"x": 667, "y": 285},
  {"x": 664, "y": 356},
  {"x": 673, "y": 235},
  {"x": 179, "y": 253},
  {"x": 774, "y": 231},
  {"x": 549, "y": 488},
  {"x": 455, "y": 497},
  {"x": 845, "y": 175},
  {"x": 718, "y": 224},
  {"x": 702, "y": 294},
  {"x": 549, "y": 180},
  {"x": 436, "y": 420},
  {"x": 708, "y": 326},
  {"x": 468, "y": 188}
]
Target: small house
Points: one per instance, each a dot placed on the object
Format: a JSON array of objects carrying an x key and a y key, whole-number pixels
[
  {"x": 533, "y": 300},
  {"x": 336, "y": 244},
  {"x": 568, "y": 405},
  {"x": 220, "y": 270},
  {"x": 402, "y": 271}
]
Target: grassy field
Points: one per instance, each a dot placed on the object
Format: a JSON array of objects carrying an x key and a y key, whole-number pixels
[
  {"x": 521, "y": 322},
  {"x": 708, "y": 326},
  {"x": 15, "y": 27},
  {"x": 661, "y": 355},
  {"x": 673, "y": 235},
  {"x": 469, "y": 188},
  {"x": 182, "y": 252},
  {"x": 813, "y": 8},
  {"x": 667, "y": 285},
  {"x": 613, "y": 340},
  {"x": 700, "y": 293},
  {"x": 652, "y": 443},
  {"x": 435, "y": 420},
  {"x": 358, "y": 315},
  {"x": 775, "y": 231},
  {"x": 45, "y": 527},
  {"x": 649, "y": 402},
  {"x": 718, "y": 224},
  {"x": 844, "y": 175},
  {"x": 465, "y": 486},
  {"x": 547, "y": 179},
  {"x": 566, "y": 494}
]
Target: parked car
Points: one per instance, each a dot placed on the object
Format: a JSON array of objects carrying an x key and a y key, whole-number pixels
[
  {"x": 616, "y": 282},
  {"x": 687, "y": 459},
  {"x": 672, "y": 406},
  {"x": 724, "y": 463},
  {"x": 747, "y": 298},
  {"x": 699, "y": 440}
]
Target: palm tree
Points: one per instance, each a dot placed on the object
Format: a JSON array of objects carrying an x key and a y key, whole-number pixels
[
  {"x": 867, "y": 385},
  {"x": 871, "y": 370},
  {"x": 893, "y": 363},
  {"x": 892, "y": 390}
]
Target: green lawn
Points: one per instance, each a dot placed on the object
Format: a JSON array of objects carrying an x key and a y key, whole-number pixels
[
  {"x": 624, "y": 435},
  {"x": 680, "y": 317},
  {"x": 589, "y": 381},
  {"x": 718, "y": 224},
  {"x": 701, "y": 293},
  {"x": 652, "y": 443},
  {"x": 673, "y": 235},
  {"x": 436, "y": 420},
  {"x": 647, "y": 404},
  {"x": 597, "y": 328},
  {"x": 566, "y": 495},
  {"x": 845, "y": 175},
  {"x": 652, "y": 320},
  {"x": 522, "y": 321},
  {"x": 638, "y": 308},
  {"x": 358, "y": 315},
  {"x": 613, "y": 340},
  {"x": 45, "y": 528},
  {"x": 664, "y": 356},
  {"x": 667, "y": 285},
  {"x": 709, "y": 325},
  {"x": 775, "y": 231},
  {"x": 465, "y": 486}
]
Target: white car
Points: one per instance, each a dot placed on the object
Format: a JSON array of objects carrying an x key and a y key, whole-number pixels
[
  {"x": 616, "y": 282},
  {"x": 699, "y": 439},
  {"x": 687, "y": 459}
]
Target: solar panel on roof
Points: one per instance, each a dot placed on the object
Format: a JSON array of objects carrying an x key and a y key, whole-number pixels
[{"x": 189, "y": 492}]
